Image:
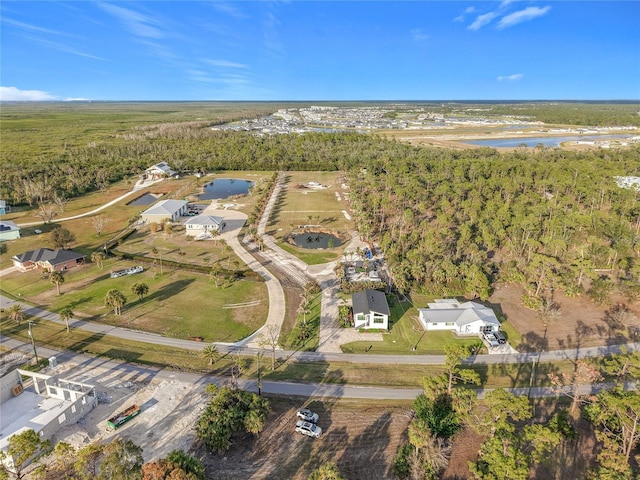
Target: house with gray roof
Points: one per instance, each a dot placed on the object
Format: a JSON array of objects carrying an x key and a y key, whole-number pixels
[
  {"x": 159, "y": 170},
  {"x": 202, "y": 225},
  {"x": 467, "y": 318},
  {"x": 165, "y": 211},
  {"x": 370, "y": 310},
  {"x": 8, "y": 230},
  {"x": 48, "y": 260}
]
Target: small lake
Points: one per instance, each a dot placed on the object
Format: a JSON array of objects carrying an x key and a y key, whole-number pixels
[
  {"x": 534, "y": 141},
  {"x": 316, "y": 240},
  {"x": 146, "y": 199},
  {"x": 225, "y": 188}
]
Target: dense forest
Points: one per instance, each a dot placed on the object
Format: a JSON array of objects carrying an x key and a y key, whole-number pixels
[
  {"x": 454, "y": 222},
  {"x": 450, "y": 222}
]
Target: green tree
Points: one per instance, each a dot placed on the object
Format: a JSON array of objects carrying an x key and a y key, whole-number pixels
[
  {"x": 624, "y": 365},
  {"x": 3, "y": 248},
  {"x": 122, "y": 460},
  {"x": 616, "y": 416},
  {"x": 16, "y": 313},
  {"x": 328, "y": 471},
  {"x": 115, "y": 300},
  {"x": 65, "y": 315},
  {"x": 56, "y": 278},
  {"x": 215, "y": 272},
  {"x": 64, "y": 455},
  {"x": 226, "y": 413},
  {"x": 187, "y": 463},
  {"x": 61, "y": 237},
  {"x": 87, "y": 461},
  {"x": 24, "y": 448},
  {"x": 210, "y": 352},
  {"x": 140, "y": 289},
  {"x": 98, "y": 258}
]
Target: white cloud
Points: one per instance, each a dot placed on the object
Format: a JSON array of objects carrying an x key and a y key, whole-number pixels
[
  {"x": 225, "y": 64},
  {"x": 137, "y": 23},
  {"x": 419, "y": 35},
  {"x": 511, "y": 78},
  {"x": 460, "y": 18},
  {"x": 13, "y": 94},
  {"x": 228, "y": 9},
  {"x": 524, "y": 15},
  {"x": 482, "y": 20}
]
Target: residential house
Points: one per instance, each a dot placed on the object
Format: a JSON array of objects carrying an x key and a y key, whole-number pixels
[
  {"x": 202, "y": 225},
  {"x": 8, "y": 230},
  {"x": 48, "y": 260},
  {"x": 370, "y": 310},
  {"x": 165, "y": 211},
  {"x": 468, "y": 318},
  {"x": 4, "y": 208},
  {"x": 157, "y": 171},
  {"x": 44, "y": 404}
]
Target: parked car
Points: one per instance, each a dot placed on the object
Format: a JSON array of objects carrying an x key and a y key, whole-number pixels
[
  {"x": 491, "y": 339},
  {"x": 500, "y": 337},
  {"x": 307, "y": 415},
  {"x": 308, "y": 428}
]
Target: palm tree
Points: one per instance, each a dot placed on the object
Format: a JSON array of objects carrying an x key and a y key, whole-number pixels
[
  {"x": 157, "y": 253},
  {"x": 56, "y": 278},
  {"x": 16, "y": 314},
  {"x": 65, "y": 315},
  {"x": 211, "y": 353},
  {"x": 98, "y": 259},
  {"x": 116, "y": 300},
  {"x": 215, "y": 272},
  {"x": 140, "y": 289}
]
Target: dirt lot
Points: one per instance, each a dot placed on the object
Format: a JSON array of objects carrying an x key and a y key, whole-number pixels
[
  {"x": 581, "y": 323},
  {"x": 361, "y": 437}
]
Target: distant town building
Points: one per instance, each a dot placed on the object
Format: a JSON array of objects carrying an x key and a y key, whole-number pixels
[
  {"x": 157, "y": 171},
  {"x": 4, "y": 207}
]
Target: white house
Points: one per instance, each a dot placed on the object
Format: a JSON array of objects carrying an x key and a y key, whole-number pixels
[
  {"x": 165, "y": 211},
  {"x": 159, "y": 170},
  {"x": 370, "y": 310},
  {"x": 45, "y": 404},
  {"x": 8, "y": 230},
  {"x": 203, "y": 225},
  {"x": 468, "y": 318}
]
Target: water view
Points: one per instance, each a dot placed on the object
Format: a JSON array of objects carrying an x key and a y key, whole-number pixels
[
  {"x": 316, "y": 240},
  {"x": 225, "y": 188},
  {"x": 534, "y": 141}
]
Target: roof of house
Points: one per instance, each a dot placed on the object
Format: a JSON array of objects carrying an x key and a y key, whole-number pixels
[
  {"x": 164, "y": 166},
  {"x": 204, "y": 220},
  {"x": 369, "y": 301},
  {"x": 165, "y": 207},
  {"x": 6, "y": 226},
  {"x": 54, "y": 257},
  {"x": 450, "y": 310}
]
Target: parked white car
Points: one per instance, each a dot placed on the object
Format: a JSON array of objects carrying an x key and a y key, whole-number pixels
[
  {"x": 308, "y": 428},
  {"x": 307, "y": 415}
]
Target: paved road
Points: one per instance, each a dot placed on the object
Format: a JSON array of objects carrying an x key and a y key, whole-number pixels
[
  {"x": 370, "y": 358},
  {"x": 84, "y": 365}
]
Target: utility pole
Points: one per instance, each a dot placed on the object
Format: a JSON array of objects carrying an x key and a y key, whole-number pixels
[
  {"x": 259, "y": 380},
  {"x": 33, "y": 341}
]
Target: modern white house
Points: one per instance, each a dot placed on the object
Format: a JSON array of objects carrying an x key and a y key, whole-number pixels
[
  {"x": 468, "y": 318},
  {"x": 159, "y": 170},
  {"x": 8, "y": 230},
  {"x": 164, "y": 211},
  {"x": 203, "y": 225},
  {"x": 370, "y": 310},
  {"x": 43, "y": 403}
]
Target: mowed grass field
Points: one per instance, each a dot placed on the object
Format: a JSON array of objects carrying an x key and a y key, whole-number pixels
[
  {"x": 180, "y": 303},
  {"x": 299, "y": 205}
]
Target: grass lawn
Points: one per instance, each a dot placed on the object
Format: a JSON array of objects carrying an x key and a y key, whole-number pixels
[
  {"x": 406, "y": 336},
  {"x": 180, "y": 304},
  {"x": 298, "y": 206}
]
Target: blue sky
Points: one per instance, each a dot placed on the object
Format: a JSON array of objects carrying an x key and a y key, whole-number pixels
[{"x": 325, "y": 50}]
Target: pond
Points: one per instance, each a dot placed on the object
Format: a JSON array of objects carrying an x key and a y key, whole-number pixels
[
  {"x": 146, "y": 199},
  {"x": 316, "y": 240},
  {"x": 225, "y": 188},
  {"x": 534, "y": 141}
]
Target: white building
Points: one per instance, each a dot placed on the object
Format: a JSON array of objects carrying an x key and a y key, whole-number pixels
[
  {"x": 203, "y": 225},
  {"x": 165, "y": 211},
  {"x": 159, "y": 170},
  {"x": 43, "y": 403},
  {"x": 370, "y": 310},
  {"x": 468, "y": 318},
  {"x": 8, "y": 230}
]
